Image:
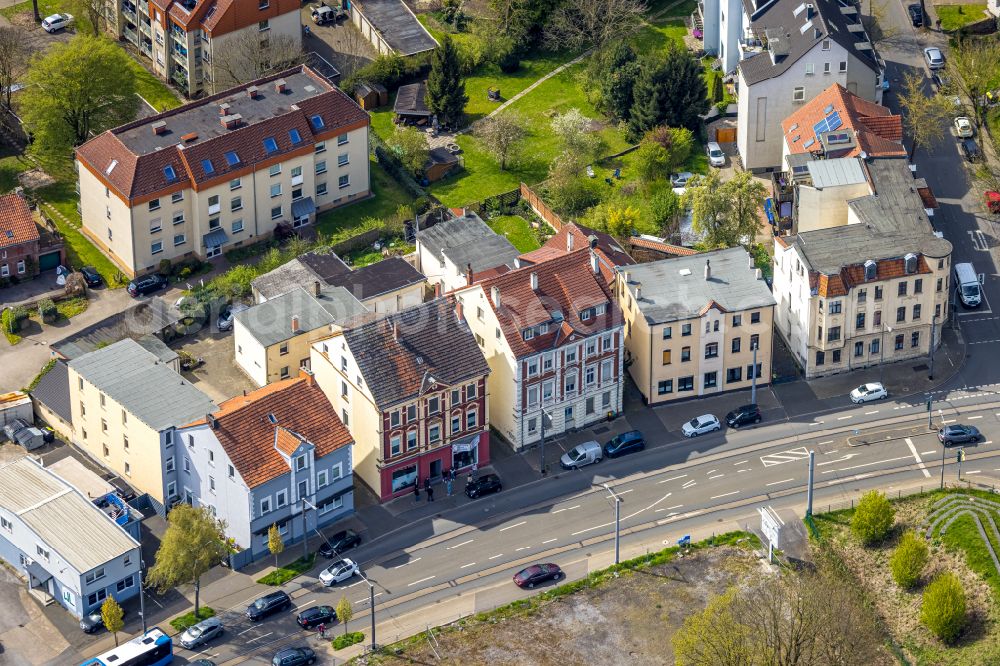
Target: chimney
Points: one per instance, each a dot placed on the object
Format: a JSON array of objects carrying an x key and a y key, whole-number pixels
[
  {"x": 213, "y": 423},
  {"x": 534, "y": 281},
  {"x": 307, "y": 374},
  {"x": 625, "y": 275},
  {"x": 594, "y": 263},
  {"x": 224, "y": 109},
  {"x": 708, "y": 269},
  {"x": 638, "y": 291},
  {"x": 569, "y": 242},
  {"x": 159, "y": 127},
  {"x": 395, "y": 330},
  {"x": 189, "y": 137},
  {"x": 757, "y": 274},
  {"x": 468, "y": 274},
  {"x": 750, "y": 259},
  {"x": 232, "y": 120},
  {"x": 316, "y": 288},
  {"x": 295, "y": 323},
  {"x": 459, "y": 313},
  {"x": 252, "y": 92},
  {"x": 280, "y": 86},
  {"x": 437, "y": 290},
  {"x": 495, "y": 296}
]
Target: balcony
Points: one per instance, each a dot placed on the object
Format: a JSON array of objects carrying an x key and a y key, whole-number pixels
[
  {"x": 180, "y": 55},
  {"x": 144, "y": 7},
  {"x": 180, "y": 77},
  {"x": 130, "y": 35},
  {"x": 130, "y": 14},
  {"x": 145, "y": 30},
  {"x": 146, "y": 47}
]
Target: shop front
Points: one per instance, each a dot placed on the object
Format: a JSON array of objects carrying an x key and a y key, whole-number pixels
[{"x": 463, "y": 455}]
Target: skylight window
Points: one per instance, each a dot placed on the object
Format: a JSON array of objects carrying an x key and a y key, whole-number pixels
[
  {"x": 270, "y": 145},
  {"x": 294, "y": 135},
  {"x": 208, "y": 166},
  {"x": 111, "y": 167},
  {"x": 232, "y": 158},
  {"x": 170, "y": 174},
  {"x": 317, "y": 122}
]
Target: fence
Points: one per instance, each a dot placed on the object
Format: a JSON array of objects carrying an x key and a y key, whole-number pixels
[
  {"x": 389, "y": 162},
  {"x": 541, "y": 208},
  {"x": 498, "y": 202}
]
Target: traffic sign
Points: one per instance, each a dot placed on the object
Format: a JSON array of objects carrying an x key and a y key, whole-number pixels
[{"x": 771, "y": 525}]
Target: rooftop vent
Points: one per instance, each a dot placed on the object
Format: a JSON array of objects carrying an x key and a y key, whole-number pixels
[
  {"x": 159, "y": 127},
  {"x": 232, "y": 121},
  {"x": 189, "y": 137},
  {"x": 280, "y": 86},
  {"x": 224, "y": 109},
  {"x": 252, "y": 92},
  {"x": 684, "y": 272}
]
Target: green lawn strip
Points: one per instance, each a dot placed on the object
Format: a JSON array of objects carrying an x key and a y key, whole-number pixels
[
  {"x": 370, "y": 255},
  {"x": 153, "y": 90},
  {"x": 182, "y": 622},
  {"x": 284, "y": 574},
  {"x": 517, "y": 230},
  {"x": 954, "y": 17},
  {"x": 684, "y": 8},
  {"x": 347, "y": 640},
  {"x": 342, "y": 223},
  {"x": 10, "y": 167},
  {"x": 963, "y": 535},
  {"x": 45, "y": 8},
  {"x": 71, "y": 307}
]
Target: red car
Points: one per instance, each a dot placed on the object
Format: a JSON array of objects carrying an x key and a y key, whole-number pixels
[{"x": 537, "y": 574}]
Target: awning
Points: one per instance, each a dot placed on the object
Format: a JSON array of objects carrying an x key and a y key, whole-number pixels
[
  {"x": 465, "y": 446},
  {"x": 303, "y": 207},
  {"x": 215, "y": 238}
]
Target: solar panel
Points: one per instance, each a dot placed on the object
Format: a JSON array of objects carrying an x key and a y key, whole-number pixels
[{"x": 833, "y": 121}]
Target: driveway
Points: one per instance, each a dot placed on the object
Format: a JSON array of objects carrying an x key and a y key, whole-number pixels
[
  {"x": 340, "y": 44},
  {"x": 219, "y": 377}
]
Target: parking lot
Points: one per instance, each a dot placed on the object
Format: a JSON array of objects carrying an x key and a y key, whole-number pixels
[
  {"x": 340, "y": 44},
  {"x": 218, "y": 376}
]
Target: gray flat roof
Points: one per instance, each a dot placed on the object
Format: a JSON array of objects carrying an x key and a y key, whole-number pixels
[
  {"x": 270, "y": 322},
  {"x": 397, "y": 25},
  {"x": 62, "y": 518},
  {"x": 147, "y": 318},
  {"x": 283, "y": 279},
  {"x": 158, "y": 348},
  {"x": 143, "y": 385},
  {"x": 53, "y": 391},
  {"x": 830, "y": 173},
  {"x": 468, "y": 240},
  {"x": 676, "y": 289}
]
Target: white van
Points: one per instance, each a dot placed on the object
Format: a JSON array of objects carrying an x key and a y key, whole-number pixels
[{"x": 967, "y": 284}]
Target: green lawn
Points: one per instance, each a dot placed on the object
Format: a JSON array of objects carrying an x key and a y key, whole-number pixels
[
  {"x": 45, "y": 8},
  {"x": 517, "y": 230},
  {"x": 153, "y": 90},
  {"x": 657, "y": 35},
  {"x": 10, "y": 168},
  {"x": 341, "y": 223},
  {"x": 284, "y": 574},
  {"x": 954, "y": 17},
  {"x": 182, "y": 622}
]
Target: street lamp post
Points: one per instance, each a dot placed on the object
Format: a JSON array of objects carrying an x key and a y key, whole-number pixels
[
  {"x": 618, "y": 514},
  {"x": 371, "y": 602},
  {"x": 305, "y": 530},
  {"x": 930, "y": 375},
  {"x": 753, "y": 375},
  {"x": 881, "y": 350},
  {"x": 142, "y": 595},
  {"x": 542, "y": 419}
]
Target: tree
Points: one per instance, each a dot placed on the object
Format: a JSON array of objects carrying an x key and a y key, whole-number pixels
[
  {"x": 574, "y": 129},
  {"x": 344, "y": 612},
  {"x": 502, "y": 136},
  {"x": 669, "y": 91},
  {"x": 76, "y": 89},
  {"x": 89, "y": 15},
  {"x": 924, "y": 117},
  {"x": 446, "y": 96},
  {"x": 665, "y": 207},
  {"x": 873, "y": 518},
  {"x": 410, "y": 148},
  {"x": 113, "y": 616},
  {"x": 617, "y": 70},
  {"x": 714, "y": 636},
  {"x": 678, "y": 141},
  {"x": 275, "y": 543},
  {"x": 579, "y": 24},
  {"x": 520, "y": 21},
  {"x": 726, "y": 214},
  {"x": 974, "y": 66},
  {"x": 943, "y": 609},
  {"x": 246, "y": 57},
  {"x": 193, "y": 543},
  {"x": 13, "y": 57},
  {"x": 652, "y": 162},
  {"x": 621, "y": 222},
  {"x": 34, "y": 10},
  {"x": 908, "y": 560}
]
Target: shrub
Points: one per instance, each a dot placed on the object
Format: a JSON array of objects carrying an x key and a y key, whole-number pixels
[
  {"x": 347, "y": 640},
  {"x": 47, "y": 310},
  {"x": 184, "y": 621},
  {"x": 872, "y": 518},
  {"x": 8, "y": 322},
  {"x": 908, "y": 560},
  {"x": 943, "y": 610},
  {"x": 165, "y": 266}
]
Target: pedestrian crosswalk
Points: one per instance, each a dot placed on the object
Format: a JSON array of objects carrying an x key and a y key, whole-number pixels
[{"x": 783, "y": 457}]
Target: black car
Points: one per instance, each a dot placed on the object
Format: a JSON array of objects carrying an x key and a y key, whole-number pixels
[
  {"x": 627, "y": 442},
  {"x": 916, "y": 13},
  {"x": 537, "y": 574},
  {"x": 958, "y": 434},
  {"x": 147, "y": 284},
  {"x": 91, "y": 276},
  {"x": 293, "y": 657},
  {"x": 339, "y": 542},
  {"x": 487, "y": 484},
  {"x": 971, "y": 150},
  {"x": 315, "y": 616},
  {"x": 94, "y": 622},
  {"x": 743, "y": 415},
  {"x": 267, "y": 605}
]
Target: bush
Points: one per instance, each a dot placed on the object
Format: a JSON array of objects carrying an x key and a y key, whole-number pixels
[
  {"x": 908, "y": 560},
  {"x": 165, "y": 266},
  {"x": 943, "y": 610},
  {"x": 184, "y": 621},
  {"x": 347, "y": 640},
  {"x": 575, "y": 196},
  {"x": 47, "y": 310},
  {"x": 9, "y": 323},
  {"x": 873, "y": 518},
  {"x": 289, "y": 571}
]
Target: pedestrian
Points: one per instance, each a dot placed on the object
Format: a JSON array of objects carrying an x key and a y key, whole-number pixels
[
  {"x": 430, "y": 494},
  {"x": 448, "y": 486},
  {"x": 427, "y": 483},
  {"x": 416, "y": 493},
  {"x": 322, "y": 631},
  {"x": 452, "y": 473}
]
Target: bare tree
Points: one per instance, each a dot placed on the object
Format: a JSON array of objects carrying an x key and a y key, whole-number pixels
[
  {"x": 90, "y": 14},
  {"x": 879, "y": 26},
  {"x": 924, "y": 117},
  {"x": 578, "y": 24},
  {"x": 502, "y": 136},
  {"x": 13, "y": 60},
  {"x": 974, "y": 66},
  {"x": 246, "y": 57}
]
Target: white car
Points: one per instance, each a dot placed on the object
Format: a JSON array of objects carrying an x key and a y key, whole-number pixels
[
  {"x": 701, "y": 425},
  {"x": 338, "y": 572},
  {"x": 964, "y": 128},
  {"x": 869, "y": 392},
  {"x": 934, "y": 58},
  {"x": 716, "y": 157},
  {"x": 681, "y": 179},
  {"x": 56, "y": 22},
  {"x": 582, "y": 454}
]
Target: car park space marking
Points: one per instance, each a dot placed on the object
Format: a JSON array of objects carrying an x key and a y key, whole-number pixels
[
  {"x": 920, "y": 463},
  {"x": 305, "y": 604},
  {"x": 422, "y": 580},
  {"x": 510, "y": 527},
  {"x": 829, "y": 441},
  {"x": 260, "y": 637},
  {"x": 775, "y": 483},
  {"x": 874, "y": 411},
  {"x": 549, "y": 541},
  {"x": 459, "y": 545},
  {"x": 711, "y": 471},
  {"x": 748, "y": 469},
  {"x": 400, "y": 566},
  {"x": 358, "y": 583},
  {"x": 493, "y": 557},
  {"x": 717, "y": 476},
  {"x": 246, "y": 630},
  {"x": 783, "y": 457},
  {"x": 673, "y": 478},
  {"x": 735, "y": 492},
  {"x": 689, "y": 484},
  {"x": 973, "y": 418},
  {"x": 466, "y": 566},
  {"x": 868, "y": 464},
  {"x": 742, "y": 462},
  {"x": 831, "y": 451},
  {"x": 569, "y": 508}
]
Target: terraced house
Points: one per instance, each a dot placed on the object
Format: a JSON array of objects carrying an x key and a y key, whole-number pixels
[{"x": 223, "y": 171}]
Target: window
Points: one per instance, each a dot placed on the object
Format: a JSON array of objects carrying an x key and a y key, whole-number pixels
[
  {"x": 433, "y": 405},
  {"x": 42, "y": 552},
  {"x": 235, "y": 204},
  {"x": 712, "y": 350},
  {"x": 915, "y": 339},
  {"x": 940, "y": 283},
  {"x": 666, "y": 357},
  {"x": 754, "y": 317},
  {"x": 341, "y": 139},
  {"x": 878, "y": 293},
  {"x": 916, "y": 311},
  {"x": 591, "y": 347},
  {"x": 547, "y": 389},
  {"x": 394, "y": 419},
  {"x": 859, "y": 322},
  {"x": 899, "y": 341},
  {"x": 296, "y": 193},
  {"x": 271, "y": 146},
  {"x": 571, "y": 382},
  {"x": 570, "y": 354},
  {"x": 937, "y": 309},
  {"x": 265, "y": 505},
  {"x": 232, "y": 472},
  {"x": 176, "y": 197},
  {"x": 214, "y": 223},
  {"x": 877, "y": 318},
  {"x": 902, "y": 289},
  {"x": 154, "y": 205},
  {"x": 547, "y": 362},
  {"x": 95, "y": 575},
  {"x": 874, "y": 347},
  {"x": 667, "y": 332},
  {"x": 344, "y": 181},
  {"x": 343, "y": 159},
  {"x": 178, "y": 217},
  {"x": 125, "y": 442},
  {"x": 918, "y": 286},
  {"x": 321, "y": 147},
  {"x": 737, "y": 320},
  {"x": 900, "y": 314},
  {"x": 685, "y": 384},
  {"x": 264, "y": 26},
  {"x": 826, "y": 44},
  {"x": 664, "y": 387},
  {"x": 275, "y": 212},
  {"x": 734, "y": 375},
  {"x": 810, "y": 69},
  {"x": 826, "y": 68},
  {"x": 798, "y": 94},
  {"x": 237, "y": 226},
  {"x": 96, "y": 598},
  {"x": 235, "y": 184},
  {"x": 835, "y": 307},
  {"x": 833, "y": 334},
  {"x": 862, "y": 295},
  {"x": 211, "y": 484},
  {"x": 281, "y": 498},
  {"x": 125, "y": 583},
  {"x": 411, "y": 440},
  {"x": 685, "y": 329},
  {"x": 532, "y": 396},
  {"x": 751, "y": 373},
  {"x": 320, "y": 189},
  {"x": 317, "y": 122},
  {"x": 836, "y": 356},
  {"x": 820, "y": 358},
  {"x": 685, "y": 354},
  {"x": 6, "y": 524},
  {"x": 395, "y": 445},
  {"x": 343, "y": 389},
  {"x": 411, "y": 413},
  {"x": 736, "y": 345},
  {"x": 154, "y": 225},
  {"x": 859, "y": 349},
  {"x": 470, "y": 392},
  {"x": 711, "y": 379},
  {"x": 107, "y": 451},
  {"x": 320, "y": 167},
  {"x": 179, "y": 239},
  {"x": 843, "y": 66},
  {"x": 276, "y": 190},
  {"x": 232, "y": 159}
]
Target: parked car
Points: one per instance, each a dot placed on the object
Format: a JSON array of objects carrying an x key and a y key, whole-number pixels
[
  {"x": 537, "y": 574},
  {"x": 716, "y": 157},
  {"x": 681, "y": 179},
  {"x": 199, "y": 634},
  {"x": 293, "y": 657},
  {"x": 700, "y": 425},
  {"x": 94, "y": 622},
  {"x": 964, "y": 127},
  {"x": 940, "y": 80},
  {"x": 91, "y": 276},
  {"x": 228, "y": 315},
  {"x": 338, "y": 572},
  {"x": 487, "y": 484},
  {"x": 625, "y": 443},
  {"x": 934, "y": 58},
  {"x": 323, "y": 14},
  {"x": 743, "y": 415},
  {"x": 958, "y": 434},
  {"x": 339, "y": 542},
  {"x": 147, "y": 284},
  {"x": 311, "y": 618},
  {"x": 268, "y": 605},
  {"x": 581, "y": 455},
  {"x": 916, "y": 13},
  {"x": 56, "y": 22},
  {"x": 869, "y": 392},
  {"x": 971, "y": 150}
]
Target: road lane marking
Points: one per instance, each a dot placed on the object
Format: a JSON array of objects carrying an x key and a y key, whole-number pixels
[
  {"x": 305, "y": 604},
  {"x": 670, "y": 508},
  {"x": 836, "y": 460},
  {"x": 717, "y": 476},
  {"x": 927, "y": 453},
  {"x": 510, "y": 527},
  {"x": 548, "y": 541},
  {"x": 920, "y": 463},
  {"x": 466, "y": 566},
  {"x": 458, "y": 545},
  {"x": 826, "y": 453},
  {"x": 361, "y": 601},
  {"x": 735, "y": 492},
  {"x": 518, "y": 550},
  {"x": 591, "y": 529},
  {"x": 673, "y": 478},
  {"x": 829, "y": 441},
  {"x": 689, "y": 484},
  {"x": 245, "y": 631},
  {"x": 400, "y": 566},
  {"x": 874, "y": 411},
  {"x": 422, "y": 580},
  {"x": 569, "y": 508},
  {"x": 947, "y": 420},
  {"x": 877, "y": 462},
  {"x": 260, "y": 637},
  {"x": 493, "y": 557},
  {"x": 972, "y": 418},
  {"x": 711, "y": 471},
  {"x": 844, "y": 418},
  {"x": 975, "y": 471},
  {"x": 748, "y": 469},
  {"x": 774, "y": 483},
  {"x": 742, "y": 462},
  {"x": 783, "y": 457},
  {"x": 815, "y": 423}
]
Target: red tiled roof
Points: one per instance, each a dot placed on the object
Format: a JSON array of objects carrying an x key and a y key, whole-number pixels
[
  {"x": 666, "y": 248},
  {"x": 852, "y": 276},
  {"x": 560, "y": 244},
  {"x": 16, "y": 222},
  {"x": 302, "y": 411},
  {"x": 927, "y": 196},
  {"x": 877, "y": 131}
]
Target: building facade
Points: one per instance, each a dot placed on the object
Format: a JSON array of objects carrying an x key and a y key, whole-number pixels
[
  {"x": 24, "y": 250},
  {"x": 223, "y": 171}
]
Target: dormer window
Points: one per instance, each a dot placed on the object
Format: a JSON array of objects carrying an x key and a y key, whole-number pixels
[
  {"x": 871, "y": 270},
  {"x": 317, "y": 122},
  {"x": 300, "y": 462},
  {"x": 169, "y": 173},
  {"x": 208, "y": 167},
  {"x": 270, "y": 145},
  {"x": 910, "y": 262},
  {"x": 543, "y": 328},
  {"x": 232, "y": 158},
  {"x": 529, "y": 333},
  {"x": 294, "y": 136}
]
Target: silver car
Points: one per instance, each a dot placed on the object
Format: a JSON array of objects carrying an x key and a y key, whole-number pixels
[
  {"x": 199, "y": 634},
  {"x": 581, "y": 454}
]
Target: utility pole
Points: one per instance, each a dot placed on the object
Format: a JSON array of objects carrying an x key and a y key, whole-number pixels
[
  {"x": 142, "y": 594},
  {"x": 809, "y": 488},
  {"x": 930, "y": 412},
  {"x": 930, "y": 374},
  {"x": 371, "y": 602},
  {"x": 943, "y": 449},
  {"x": 753, "y": 375},
  {"x": 618, "y": 514}
]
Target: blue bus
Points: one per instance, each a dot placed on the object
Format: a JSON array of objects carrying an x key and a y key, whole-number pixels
[{"x": 154, "y": 648}]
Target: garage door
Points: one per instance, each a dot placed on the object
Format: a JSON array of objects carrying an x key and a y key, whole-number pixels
[
  {"x": 48, "y": 262},
  {"x": 725, "y": 135}
]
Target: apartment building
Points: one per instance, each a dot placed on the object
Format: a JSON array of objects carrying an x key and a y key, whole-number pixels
[
  {"x": 554, "y": 340},
  {"x": 191, "y": 43},
  {"x": 223, "y": 171},
  {"x": 871, "y": 289},
  {"x": 692, "y": 324},
  {"x": 454, "y": 252},
  {"x": 412, "y": 389}
]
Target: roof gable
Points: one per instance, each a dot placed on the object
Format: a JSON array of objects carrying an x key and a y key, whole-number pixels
[{"x": 876, "y": 130}]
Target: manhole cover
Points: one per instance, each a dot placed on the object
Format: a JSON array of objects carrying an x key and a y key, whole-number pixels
[{"x": 920, "y": 368}]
